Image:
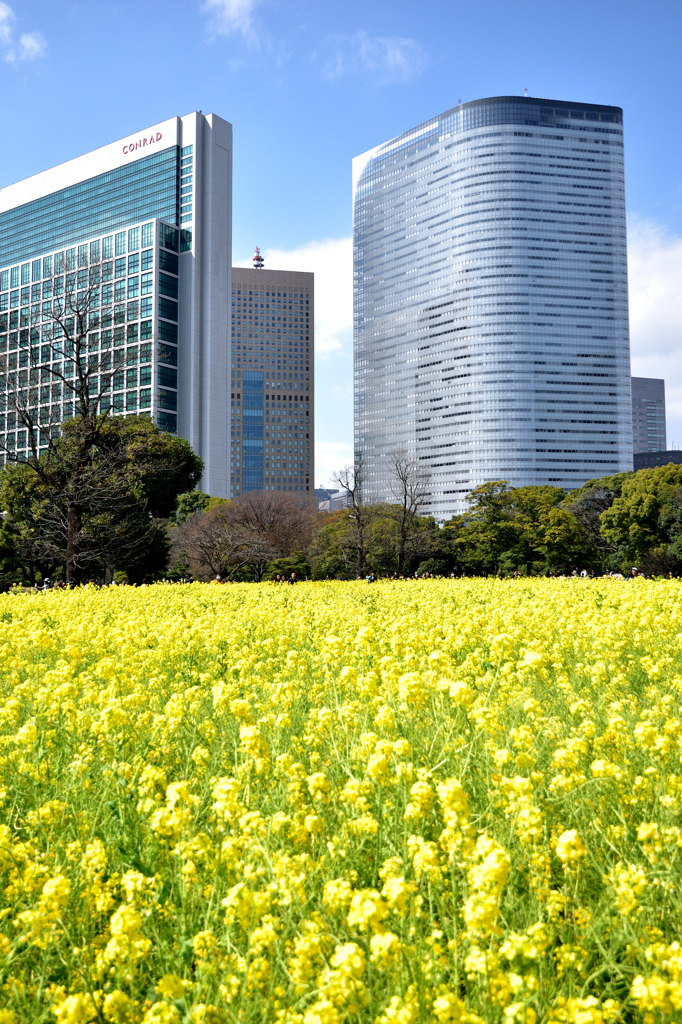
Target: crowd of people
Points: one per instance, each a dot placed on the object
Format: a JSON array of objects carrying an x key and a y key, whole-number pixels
[{"x": 372, "y": 577}]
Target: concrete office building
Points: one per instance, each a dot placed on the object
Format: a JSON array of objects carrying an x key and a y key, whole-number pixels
[
  {"x": 149, "y": 220},
  {"x": 273, "y": 380},
  {"x": 648, "y": 415},
  {"x": 490, "y": 299}
]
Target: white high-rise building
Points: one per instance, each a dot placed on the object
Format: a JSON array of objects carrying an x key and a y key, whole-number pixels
[
  {"x": 491, "y": 299},
  {"x": 148, "y": 220}
]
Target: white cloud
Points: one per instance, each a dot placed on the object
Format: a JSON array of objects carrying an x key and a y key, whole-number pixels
[
  {"x": 331, "y": 260},
  {"x": 232, "y": 16},
  {"x": 28, "y": 46},
  {"x": 655, "y": 278},
  {"x": 330, "y": 457},
  {"x": 31, "y": 45},
  {"x": 384, "y": 58}
]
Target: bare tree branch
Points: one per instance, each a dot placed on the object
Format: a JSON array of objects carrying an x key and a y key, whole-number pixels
[
  {"x": 351, "y": 478},
  {"x": 53, "y": 375},
  {"x": 409, "y": 488}
]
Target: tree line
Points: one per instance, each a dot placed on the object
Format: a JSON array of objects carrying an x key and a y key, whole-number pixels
[
  {"x": 610, "y": 524},
  {"x": 94, "y": 495},
  {"x": 126, "y": 507}
]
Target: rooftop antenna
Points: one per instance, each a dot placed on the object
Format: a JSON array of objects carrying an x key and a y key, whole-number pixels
[
  {"x": 258, "y": 261},
  {"x": 525, "y": 92}
]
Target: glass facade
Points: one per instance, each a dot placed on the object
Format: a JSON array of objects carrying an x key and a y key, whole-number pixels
[
  {"x": 272, "y": 351},
  {"x": 490, "y": 299},
  {"x": 252, "y": 431},
  {"x": 121, "y": 274},
  {"x": 648, "y": 415},
  {"x": 144, "y": 189}
]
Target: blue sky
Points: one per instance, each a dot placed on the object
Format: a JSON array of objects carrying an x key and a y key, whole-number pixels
[{"x": 308, "y": 85}]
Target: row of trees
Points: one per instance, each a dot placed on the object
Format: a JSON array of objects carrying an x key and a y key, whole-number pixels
[
  {"x": 98, "y": 494},
  {"x": 137, "y": 512},
  {"x": 609, "y": 524}
]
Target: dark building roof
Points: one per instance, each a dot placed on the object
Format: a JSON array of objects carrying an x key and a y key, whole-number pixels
[{"x": 647, "y": 460}]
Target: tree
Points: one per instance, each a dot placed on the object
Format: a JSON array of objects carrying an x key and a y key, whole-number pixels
[
  {"x": 211, "y": 543},
  {"x": 350, "y": 478},
  {"x": 188, "y": 503},
  {"x": 643, "y": 522},
  {"x": 588, "y": 504},
  {"x": 518, "y": 528},
  {"x": 249, "y": 532},
  {"x": 486, "y": 531},
  {"x": 124, "y": 491},
  {"x": 59, "y": 366},
  {"x": 409, "y": 488}
]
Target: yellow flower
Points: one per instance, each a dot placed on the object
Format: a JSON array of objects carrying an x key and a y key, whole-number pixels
[
  {"x": 570, "y": 848},
  {"x": 171, "y": 987}
]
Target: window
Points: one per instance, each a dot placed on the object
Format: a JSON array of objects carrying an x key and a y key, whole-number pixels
[
  {"x": 35, "y": 270},
  {"x": 168, "y": 422},
  {"x": 147, "y": 259},
  {"x": 168, "y": 261},
  {"x": 133, "y": 264},
  {"x": 145, "y": 396},
  {"x": 131, "y": 378},
  {"x": 168, "y": 309},
  {"x": 167, "y": 376},
  {"x": 168, "y": 354},
  {"x": 121, "y": 268},
  {"x": 120, "y": 243},
  {"x": 94, "y": 252},
  {"x": 168, "y": 237},
  {"x": 133, "y": 239},
  {"x": 133, "y": 287},
  {"x": 147, "y": 235},
  {"x": 168, "y": 286},
  {"x": 145, "y": 329},
  {"x": 145, "y": 353},
  {"x": 168, "y": 332},
  {"x": 147, "y": 283},
  {"x": 168, "y": 399}
]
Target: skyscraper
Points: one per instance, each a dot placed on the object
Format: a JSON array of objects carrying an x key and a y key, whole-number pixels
[
  {"x": 490, "y": 298},
  {"x": 145, "y": 225},
  {"x": 273, "y": 380},
  {"x": 648, "y": 415}
]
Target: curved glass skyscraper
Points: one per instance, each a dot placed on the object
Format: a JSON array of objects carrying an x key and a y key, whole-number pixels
[{"x": 491, "y": 308}]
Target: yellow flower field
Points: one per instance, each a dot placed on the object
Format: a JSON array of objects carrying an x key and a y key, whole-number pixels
[{"x": 434, "y": 801}]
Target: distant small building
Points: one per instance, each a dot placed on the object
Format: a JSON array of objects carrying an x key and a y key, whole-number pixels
[
  {"x": 648, "y": 416},
  {"x": 333, "y": 500},
  {"x": 647, "y": 460},
  {"x": 325, "y": 493}
]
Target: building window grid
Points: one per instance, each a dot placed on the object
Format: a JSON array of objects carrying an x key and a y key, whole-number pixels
[
  {"x": 362, "y": 342},
  {"x": 124, "y": 320},
  {"x": 297, "y": 306}
]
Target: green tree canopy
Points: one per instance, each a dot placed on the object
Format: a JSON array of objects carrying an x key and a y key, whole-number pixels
[
  {"x": 646, "y": 516},
  {"x": 123, "y": 487}
]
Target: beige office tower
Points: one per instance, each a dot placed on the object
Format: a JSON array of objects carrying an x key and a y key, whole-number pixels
[{"x": 273, "y": 374}]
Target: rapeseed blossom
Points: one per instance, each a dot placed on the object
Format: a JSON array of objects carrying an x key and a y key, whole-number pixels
[{"x": 443, "y": 801}]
